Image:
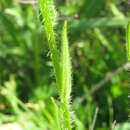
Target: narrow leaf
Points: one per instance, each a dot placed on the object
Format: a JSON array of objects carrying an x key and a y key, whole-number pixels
[
  {"x": 65, "y": 80},
  {"x": 128, "y": 41}
]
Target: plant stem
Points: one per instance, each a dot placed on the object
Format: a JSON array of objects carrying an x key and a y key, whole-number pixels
[{"x": 49, "y": 15}]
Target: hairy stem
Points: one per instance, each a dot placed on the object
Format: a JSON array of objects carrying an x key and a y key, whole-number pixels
[{"x": 49, "y": 15}]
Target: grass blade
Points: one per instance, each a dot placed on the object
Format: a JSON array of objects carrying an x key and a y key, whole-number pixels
[{"x": 128, "y": 41}]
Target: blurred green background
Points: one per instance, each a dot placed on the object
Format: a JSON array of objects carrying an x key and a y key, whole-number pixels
[{"x": 97, "y": 37}]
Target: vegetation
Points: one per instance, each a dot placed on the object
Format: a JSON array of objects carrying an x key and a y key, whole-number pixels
[{"x": 36, "y": 87}]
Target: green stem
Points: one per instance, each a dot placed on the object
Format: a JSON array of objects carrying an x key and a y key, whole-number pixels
[{"x": 49, "y": 15}]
